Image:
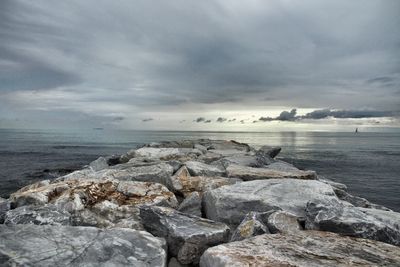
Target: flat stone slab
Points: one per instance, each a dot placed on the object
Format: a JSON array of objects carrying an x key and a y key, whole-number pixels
[
  {"x": 229, "y": 204},
  {"x": 197, "y": 168},
  {"x": 33, "y": 245},
  {"x": 249, "y": 173},
  {"x": 305, "y": 249},
  {"x": 187, "y": 236}
]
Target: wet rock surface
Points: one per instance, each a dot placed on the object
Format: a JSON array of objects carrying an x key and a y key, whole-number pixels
[
  {"x": 33, "y": 245},
  {"x": 244, "y": 206},
  {"x": 307, "y": 248}
]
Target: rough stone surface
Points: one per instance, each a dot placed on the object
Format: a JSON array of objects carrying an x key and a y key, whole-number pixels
[
  {"x": 269, "y": 151},
  {"x": 229, "y": 204},
  {"x": 356, "y": 201},
  {"x": 33, "y": 245},
  {"x": 333, "y": 216},
  {"x": 244, "y": 160},
  {"x": 305, "y": 249},
  {"x": 185, "y": 184},
  {"x": 251, "y": 225},
  {"x": 4, "y": 207},
  {"x": 187, "y": 236},
  {"x": 41, "y": 215},
  {"x": 336, "y": 185},
  {"x": 197, "y": 168},
  {"x": 283, "y": 222},
  {"x": 250, "y": 173},
  {"x": 191, "y": 204},
  {"x": 99, "y": 164},
  {"x": 173, "y": 262},
  {"x": 282, "y": 166},
  {"x": 167, "y": 153}
]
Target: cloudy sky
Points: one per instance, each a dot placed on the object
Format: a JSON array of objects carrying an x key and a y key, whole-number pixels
[{"x": 200, "y": 65}]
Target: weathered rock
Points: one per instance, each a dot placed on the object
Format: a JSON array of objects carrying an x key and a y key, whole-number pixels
[
  {"x": 197, "y": 168},
  {"x": 99, "y": 164},
  {"x": 209, "y": 157},
  {"x": 191, "y": 204},
  {"x": 305, "y": 249},
  {"x": 269, "y": 151},
  {"x": 33, "y": 245},
  {"x": 244, "y": 160},
  {"x": 4, "y": 207},
  {"x": 356, "y": 201},
  {"x": 335, "y": 185},
  {"x": 173, "y": 262},
  {"x": 250, "y": 173},
  {"x": 283, "y": 222},
  {"x": 167, "y": 153},
  {"x": 108, "y": 215},
  {"x": 158, "y": 173},
  {"x": 187, "y": 236},
  {"x": 229, "y": 204},
  {"x": 251, "y": 225},
  {"x": 282, "y": 166},
  {"x": 184, "y": 183},
  {"x": 41, "y": 215},
  {"x": 373, "y": 224},
  {"x": 225, "y": 147}
]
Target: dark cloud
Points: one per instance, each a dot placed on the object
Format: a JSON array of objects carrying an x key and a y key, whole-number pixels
[
  {"x": 348, "y": 114},
  {"x": 287, "y": 115},
  {"x": 200, "y": 119},
  {"x": 207, "y": 121},
  {"x": 242, "y": 122},
  {"x": 118, "y": 118},
  {"x": 147, "y": 120},
  {"x": 232, "y": 120},
  {"x": 220, "y": 119}
]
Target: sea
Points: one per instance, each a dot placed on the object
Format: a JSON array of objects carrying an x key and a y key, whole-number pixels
[{"x": 367, "y": 162}]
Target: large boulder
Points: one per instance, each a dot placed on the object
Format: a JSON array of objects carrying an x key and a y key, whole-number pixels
[
  {"x": 229, "y": 204},
  {"x": 244, "y": 160},
  {"x": 33, "y": 245},
  {"x": 250, "y": 173},
  {"x": 187, "y": 236},
  {"x": 356, "y": 201},
  {"x": 184, "y": 183},
  {"x": 269, "y": 151},
  {"x": 306, "y": 249},
  {"x": 99, "y": 164},
  {"x": 197, "y": 168},
  {"x": 334, "y": 216}
]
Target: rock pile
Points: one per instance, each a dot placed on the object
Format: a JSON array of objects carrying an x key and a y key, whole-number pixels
[{"x": 195, "y": 202}]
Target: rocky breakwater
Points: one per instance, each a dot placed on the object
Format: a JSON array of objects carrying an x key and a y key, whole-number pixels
[{"x": 195, "y": 202}]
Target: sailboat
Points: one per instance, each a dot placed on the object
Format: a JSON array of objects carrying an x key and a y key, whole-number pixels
[{"x": 356, "y": 130}]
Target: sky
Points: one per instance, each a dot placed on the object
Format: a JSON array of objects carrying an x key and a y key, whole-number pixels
[{"x": 200, "y": 65}]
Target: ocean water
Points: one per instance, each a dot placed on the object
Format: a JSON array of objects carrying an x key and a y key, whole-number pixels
[{"x": 368, "y": 163}]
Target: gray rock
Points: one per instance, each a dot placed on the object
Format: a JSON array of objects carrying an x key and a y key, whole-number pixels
[
  {"x": 335, "y": 185},
  {"x": 187, "y": 236},
  {"x": 305, "y": 249},
  {"x": 283, "y": 222},
  {"x": 41, "y": 215},
  {"x": 282, "y": 166},
  {"x": 4, "y": 207},
  {"x": 33, "y": 245},
  {"x": 251, "y": 225},
  {"x": 243, "y": 160},
  {"x": 250, "y": 173},
  {"x": 191, "y": 204},
  {"x": 229, "y": 204},
  {"x": 99, "y": 164},
  {"x": 185, "y": 184},
  {"x": 168, "y": 153},
  {"x": 173, "y": 262},
  {"x": 197, "y": 168},
  {"x": 335, "y": 217},
  {"x": 356, "y": 201},
  {"x": 269, "y": 151},
  {"x": 209, "y": 157}
]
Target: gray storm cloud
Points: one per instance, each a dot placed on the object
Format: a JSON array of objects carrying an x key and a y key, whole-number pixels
[{"x": 129, "y": 57}]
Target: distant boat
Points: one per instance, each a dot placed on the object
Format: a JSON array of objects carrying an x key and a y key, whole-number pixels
[
  {"x": 356, "y": 130},
  {"x": 99, "y": 128}
]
